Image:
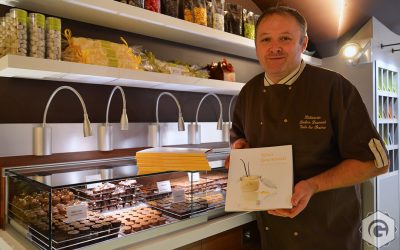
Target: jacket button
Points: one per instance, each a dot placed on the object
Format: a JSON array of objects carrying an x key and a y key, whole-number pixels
[
  {"x": 266, "y": 228},
  {"x": 285, "y": 120},
  {"x": 295, "y": 233},
  {"x": 264, "y": 90},
  {"x": 261, "y": 123},
  {"x": 290, "y": 88}
]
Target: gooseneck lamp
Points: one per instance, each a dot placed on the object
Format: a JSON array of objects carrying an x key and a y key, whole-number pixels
[
  {"x": 154, "y": 135},
  {"x": 105, "y": 133},
  {"x": 228, "y": 125},
  {"x": 194, "y": 129},
  {"x": 42, "y": 144}
]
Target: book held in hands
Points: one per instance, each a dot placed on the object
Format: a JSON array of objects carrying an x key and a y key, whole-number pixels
[{"x": 260, "y": 179}]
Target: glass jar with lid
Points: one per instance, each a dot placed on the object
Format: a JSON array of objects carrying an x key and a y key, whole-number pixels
[
  {"x": 209, "y": 6},
  {"x": 152, "y": 5},
  {"x": 188, "y": 10},
  {"x": 233, "y": 19},
  {"x": 170, "y": 8},
  {"x": 3, "y": 35},
  {"x": 17, "y": 32},
  {"x": 200, "y": 12},
  {"x": 249, "y": 25},
  {"x": 36, "y": 28},
  {"x": 136, "y": 3},
  {"x": 53, "y": 38},
  {"x": 218, "y": 14}
]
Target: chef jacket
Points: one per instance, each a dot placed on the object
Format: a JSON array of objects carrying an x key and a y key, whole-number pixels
[{"x": 323, "y": 116}]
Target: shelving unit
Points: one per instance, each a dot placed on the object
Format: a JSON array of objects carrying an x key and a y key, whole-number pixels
[
  {"x": 387, "y": 110},
  {"x": 45, "y": 69},
  {"x": 116, "y": 15}
]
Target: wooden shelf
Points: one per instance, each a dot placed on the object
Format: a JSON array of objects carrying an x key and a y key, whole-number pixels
[
  {"x": 116, "y": 15},
  {"x": 45, "y": 69}
]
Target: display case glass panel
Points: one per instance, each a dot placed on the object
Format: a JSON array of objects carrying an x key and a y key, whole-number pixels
[{"x": 93, "y": 202}]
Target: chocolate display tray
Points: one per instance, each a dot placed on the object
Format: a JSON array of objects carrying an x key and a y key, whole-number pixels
[{"x": 42, "y": 241}]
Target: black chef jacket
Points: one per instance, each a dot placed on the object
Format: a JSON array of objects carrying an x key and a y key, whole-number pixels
[{"x": 323, "y": 116}]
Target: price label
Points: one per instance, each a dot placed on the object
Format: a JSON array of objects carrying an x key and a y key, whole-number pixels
[
  {"x": 76, "y": 212},
  {"x": 194, "y": 176},
  {"x": 90, "y": 178},
  {"x": 164, "y": 186},
  {"x": 178, "y": 195}
]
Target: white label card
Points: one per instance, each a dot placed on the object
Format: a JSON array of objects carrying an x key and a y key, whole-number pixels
[
  {"x": 95, "y": 177},
  {"x": 77, "y": 212},
  {"x": 164, "y": 186},
  {"x": 194, "y": 176},
  {"x": 178, "y": 195}
]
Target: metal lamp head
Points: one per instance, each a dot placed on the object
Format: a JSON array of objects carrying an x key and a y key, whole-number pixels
[
  {"x": 154, "y": 137},
  {"x": 42, "y": 141},
  {"x": 194, "y": 133},
  {"x": 226, "y": 131},
  {"x": 87, "y": 128},
  {"x": 219, "y": 123},
  {"x": 105, "y": 137},
  {"x": 124, "y": 120},
  {"x": 181, "y": 124}
]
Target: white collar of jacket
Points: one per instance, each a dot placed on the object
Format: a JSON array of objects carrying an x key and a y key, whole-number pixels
[{"x": 289, "y": 79}]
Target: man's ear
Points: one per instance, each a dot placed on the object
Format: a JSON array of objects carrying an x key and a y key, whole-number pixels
[{"x": 305, "y": 43}]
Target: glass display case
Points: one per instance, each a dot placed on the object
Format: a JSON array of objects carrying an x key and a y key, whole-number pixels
[{"x": 74, "y": 205}]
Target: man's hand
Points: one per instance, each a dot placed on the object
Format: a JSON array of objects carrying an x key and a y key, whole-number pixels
[
  {"x": 238, "y": 144},
  {"x": 303, "y": 191}
]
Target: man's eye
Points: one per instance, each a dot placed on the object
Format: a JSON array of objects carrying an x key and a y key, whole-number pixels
[
  {"x": 285, "y": 38},
  {"x": 265, "y": 39}
]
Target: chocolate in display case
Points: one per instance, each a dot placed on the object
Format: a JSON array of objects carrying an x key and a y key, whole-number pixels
[{"x": 79, "y": 204}]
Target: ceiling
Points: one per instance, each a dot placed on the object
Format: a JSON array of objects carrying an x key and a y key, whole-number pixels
[{"x": 332, "y": 22}]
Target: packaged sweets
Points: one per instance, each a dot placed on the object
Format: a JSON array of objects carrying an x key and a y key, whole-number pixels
[
  {"x": 36, "y": 33},
  {"x": 137, "y": 3},
  {"x": 100, "y": 52},
  {"x": 209, "y": 6},
  {"x": 17, "y": 32},
  {"x": 218, "y": 14},
  {"x": 233, "y": 19},
  {"x": 188, "y": 10},
  {"x": 200, "y": 12},
  {"x": 170, "y": 8},
  {"x": 53, "y": 38},
  {"x": 153, "y": 5},
  {"x": 3, "y": 35},
  {"x": 249, "y": 25}
]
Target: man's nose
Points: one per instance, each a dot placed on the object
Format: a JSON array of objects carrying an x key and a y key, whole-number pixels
[{"x": 275, "y": 48}]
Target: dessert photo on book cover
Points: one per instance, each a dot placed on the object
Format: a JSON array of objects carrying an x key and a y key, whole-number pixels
[{"x": 260, "y": 179}]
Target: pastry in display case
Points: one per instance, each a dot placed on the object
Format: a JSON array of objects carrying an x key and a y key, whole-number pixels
[{"x": 73, "y": 205}]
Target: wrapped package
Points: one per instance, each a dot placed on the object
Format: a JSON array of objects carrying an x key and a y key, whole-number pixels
[
  {"x": 222, "y": 71},
  {"x": 100, "y": 52},
  {"x": 151, "y": 63}
]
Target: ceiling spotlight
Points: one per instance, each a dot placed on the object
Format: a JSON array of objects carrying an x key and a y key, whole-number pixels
[
  {"x": 350, "y": 50},
  {"x": 353, "y": 51}
]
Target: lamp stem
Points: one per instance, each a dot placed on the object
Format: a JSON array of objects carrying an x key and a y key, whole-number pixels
[
  {"x": 109, "y": 100},
  {"x": 173, "y": 97},
  {"x": 230, "y": 106},
  {"x": 52, "y": 96},
  {"x": 201, "y": 101}
]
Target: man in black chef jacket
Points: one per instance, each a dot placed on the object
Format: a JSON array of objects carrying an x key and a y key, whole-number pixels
[{"x": 335, "y": 144}]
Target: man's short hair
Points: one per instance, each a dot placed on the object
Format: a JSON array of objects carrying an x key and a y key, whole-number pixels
[{"x": 284, "y": 10}]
